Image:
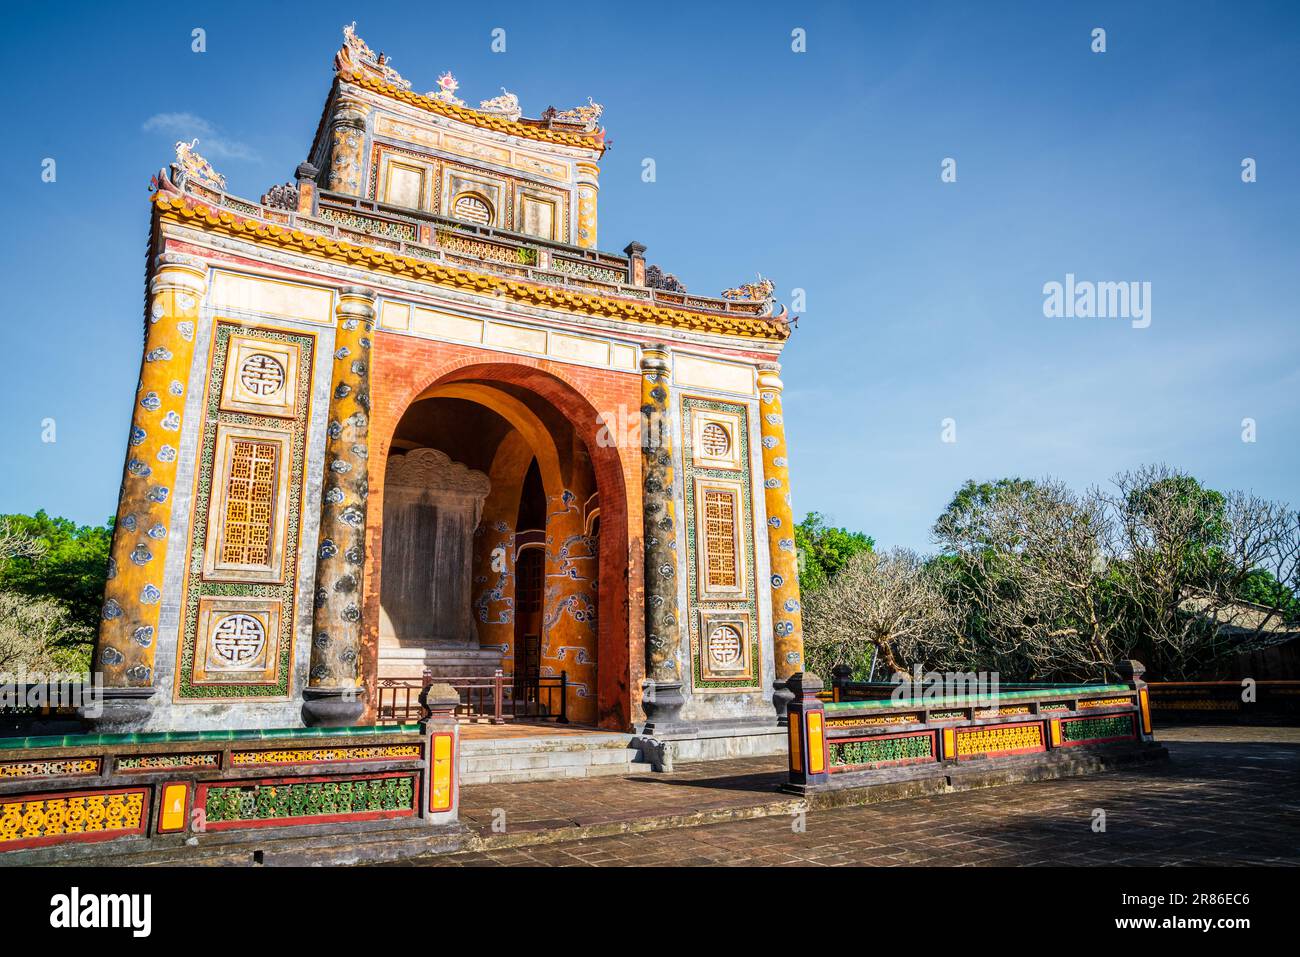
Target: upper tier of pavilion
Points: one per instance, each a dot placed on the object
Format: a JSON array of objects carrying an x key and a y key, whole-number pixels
[{"x": 423, "y": 179}]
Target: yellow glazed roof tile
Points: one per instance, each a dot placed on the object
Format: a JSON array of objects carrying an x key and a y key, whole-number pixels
[{"x": 178, "y": 208}]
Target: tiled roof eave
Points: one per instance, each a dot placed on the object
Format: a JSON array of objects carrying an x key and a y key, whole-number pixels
[
  {"x": 473, "y": 117},
  {"x": 180, "y": 208}
]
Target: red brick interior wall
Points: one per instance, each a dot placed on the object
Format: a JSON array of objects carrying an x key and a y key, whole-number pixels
[{"x": 404, "y": 367}]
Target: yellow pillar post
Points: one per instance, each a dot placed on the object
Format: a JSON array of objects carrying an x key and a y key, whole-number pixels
[
  {"x": 787, "y": 622},
  {"x": 588, "y": 191},
  {"x": 128, "y": 632}
]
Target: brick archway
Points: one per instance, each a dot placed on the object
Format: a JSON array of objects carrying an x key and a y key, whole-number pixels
[{"x": 406, "y": 369}]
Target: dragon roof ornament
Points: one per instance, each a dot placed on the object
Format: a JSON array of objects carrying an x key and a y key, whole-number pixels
[
  {"x": 585, "y": 118},
  {"x": 359, "y": 64},
  {"x": 191, "y": 165},
  {"x": 760, "y": 291},
  {"x": 506, "y": 105},
  {"x": 357, "y": 55}
]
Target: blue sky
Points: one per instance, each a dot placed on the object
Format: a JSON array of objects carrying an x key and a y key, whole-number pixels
[{"x": 821, "y": 169}]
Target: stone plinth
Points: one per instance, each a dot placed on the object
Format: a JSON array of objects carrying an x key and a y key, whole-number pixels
[{"x": 432, "y": 506}]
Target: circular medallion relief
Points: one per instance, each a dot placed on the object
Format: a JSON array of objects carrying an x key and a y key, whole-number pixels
[
  {"x": 724, "y": 646},
  {"x": 262, "y": 375},
  {"x": 715, "y": 439},
  {"x": 472, "y": 209},
  {"x": 238, "y": 639}
]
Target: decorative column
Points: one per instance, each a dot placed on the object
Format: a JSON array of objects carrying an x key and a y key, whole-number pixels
[
  {"x": 1132, "y": 672},
  {"x": 347, "y": 146},
  {"x": 570, "y": 601},
  {"x": 809, "y": 749},
  {"x": 588, "y": 189},
  {"x": 663, "y": 698},
  {"x": 635, "y": 253},
  {"x": 306, "y": 176},
  {"x": 438, "y": 703},
  {"x": 128, "y": 632},
  {"x": 787, "y": 622},
  {"x": 333, "y": 695}
]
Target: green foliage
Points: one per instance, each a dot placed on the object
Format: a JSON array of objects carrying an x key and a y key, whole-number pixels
[
  {"x": 1262, "y": 588},
  {"x": 966, "y": 519},
  {"x": 1054, "y": 584},
  {"x": 824, "y": 550},
  {"x": 72, "y": 568},
  {"x": 1187, "y": 522}
]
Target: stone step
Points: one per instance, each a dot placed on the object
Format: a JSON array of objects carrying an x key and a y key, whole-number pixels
[
  {"x": 527, "y": 761},
  {"x": 545, "y": 743},
  {"x": 549, "y": 758},
  {"x": 553, "y": 773}
]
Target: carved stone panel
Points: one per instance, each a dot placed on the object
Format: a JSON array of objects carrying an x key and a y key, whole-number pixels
[{"x": 431, "y": 507}]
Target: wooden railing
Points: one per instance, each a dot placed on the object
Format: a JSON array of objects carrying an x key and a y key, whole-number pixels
[
  {"x": 496, "y": 698},
  {"x": 1245, "y": 701}
]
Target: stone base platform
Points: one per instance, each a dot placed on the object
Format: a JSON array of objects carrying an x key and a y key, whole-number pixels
[
  {"x": 713, "y": 741},
  {"x": 581, "y": 807},
  {"x": 305, "y": 846},
  {"x": 695, "y": 795}
]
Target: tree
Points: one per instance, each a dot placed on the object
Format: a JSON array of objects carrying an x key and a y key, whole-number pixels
[
  {"x": 70, "y": 564},
  {"x": 891, "y": 604},
  {"x": 824, "y": 550},
  {"x": 1260, "y": 587},
  {"x": 1027, "y": 567},
  {"x": 967, "y": 518},
  {"x": 1054, "y": 584},
  {"x": 1184, "y": 557},
  {"x": 37, "y": 634},
  {"x": 1038, "y": 582}
]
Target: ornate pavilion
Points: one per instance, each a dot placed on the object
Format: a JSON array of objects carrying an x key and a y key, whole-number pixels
[{"x": 403, "y": 413}]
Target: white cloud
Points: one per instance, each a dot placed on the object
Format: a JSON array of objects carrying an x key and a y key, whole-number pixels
[{"x": 187, "y": 126}]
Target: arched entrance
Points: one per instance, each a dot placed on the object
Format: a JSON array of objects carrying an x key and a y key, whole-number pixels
[{"x": 504, "y": 539}]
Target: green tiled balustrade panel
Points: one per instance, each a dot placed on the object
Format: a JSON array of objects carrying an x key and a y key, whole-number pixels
[
  {"x": 160, "y": 737},
  {"x": 293, "y": 800},
  {"x": 881, "y": 750},
  {"x": 1093, "y": 729}
]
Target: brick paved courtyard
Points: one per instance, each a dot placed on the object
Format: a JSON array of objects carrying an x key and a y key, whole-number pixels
[{"x": 1229, "y": 795}]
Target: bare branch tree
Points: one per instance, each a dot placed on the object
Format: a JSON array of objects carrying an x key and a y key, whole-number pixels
[
  {"x": 15, "y": 543},
  {"x": 890, "y": 603}
]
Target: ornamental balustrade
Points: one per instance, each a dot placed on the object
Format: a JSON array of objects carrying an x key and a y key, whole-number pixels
[
  {"x": 866, "y": 734},
  {"x": 432, "y": 237},
  {"x": 175, "y": 790}
]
